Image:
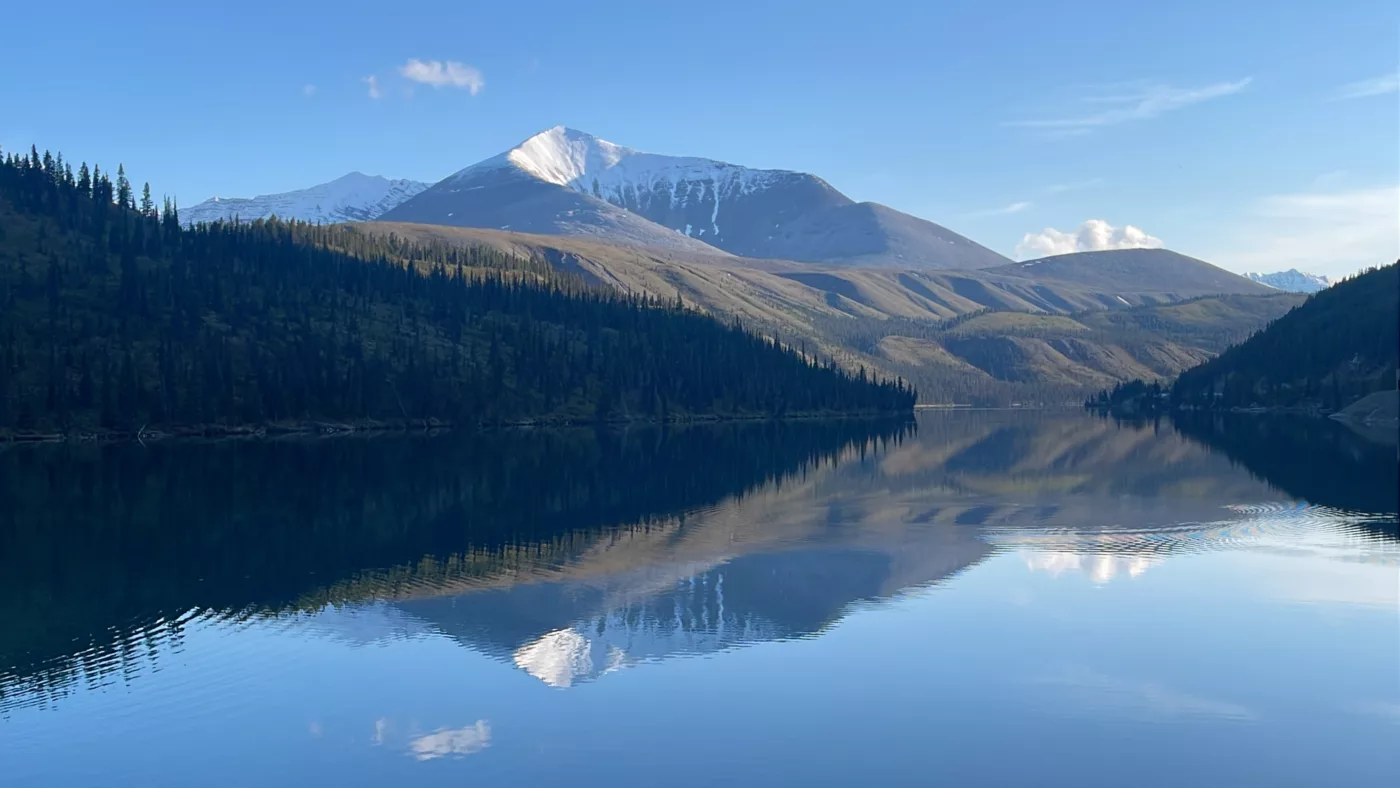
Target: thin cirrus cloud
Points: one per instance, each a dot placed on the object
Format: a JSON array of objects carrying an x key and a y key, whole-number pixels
[
  {"x": 439, "y": 74},
  {"x": 1334, "y": 233},
  {"x": 373, "y": 83},
  {"x": 1366, "y": 88},
  {"x": 1005, "y": 210},
  {"x": 1095, "y": 235},
  {"x": 1140, "y": 103}
]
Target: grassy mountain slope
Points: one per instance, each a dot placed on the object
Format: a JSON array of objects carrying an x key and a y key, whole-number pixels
[
  {"x": 1337, "y": 347},
  {"x": 1042, "y": 341}
]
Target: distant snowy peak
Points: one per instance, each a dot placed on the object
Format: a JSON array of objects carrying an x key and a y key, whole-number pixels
[
  {"x": 590, "y": 165},
  {"x": 1292, "y": 280},
  {"x": 684, "y": 193},
  {"x": 566, "y": 182},
  {"x": 352, "y": 198}
]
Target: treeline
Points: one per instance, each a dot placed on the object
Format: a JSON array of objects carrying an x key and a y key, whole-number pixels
[
  {"x": 1338, "y": 346},
  {"x": 1335, "y": 348},
  {"x": 113, "y": 317}
]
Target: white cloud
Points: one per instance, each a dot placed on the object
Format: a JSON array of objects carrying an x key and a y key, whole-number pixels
[
  {"x": 1375, "y": 86},
  {"x": 452, "y": 741},
  {"x": 373, "y": 83},
  {"x": 308, "y": 90},
  {"x": 1330, "y": 233},
  {"x": 1094, "y": 235},
  {"x": 441, "y": 75},
  {"x": 1138, "y": 104},
  {"x": 1015, "y": 207}
]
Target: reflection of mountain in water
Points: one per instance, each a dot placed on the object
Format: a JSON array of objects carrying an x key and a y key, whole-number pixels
[
  {"x": 1317, "y": 460},
  {"x": 570, "y": 555},
  {"x": 562, "y": 633},
  {"x": 105, "y": 550}
]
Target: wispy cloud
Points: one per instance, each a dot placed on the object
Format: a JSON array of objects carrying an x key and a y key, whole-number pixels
[
  {"x": 1141, "y": 103},
  {"x": 308, "y": 90},
  {"x": 1329, "y": 179},
  {"x": 373, "y": 83},
  {"x": 438, "y": 74},
  {"x": 1095, "y": 235},
  {"x": 1015, "y": 207},
  {"x": 1365, "y": 88},
  {"x": 1072, "y": 186},
  {"x": 1332, "y": 233}
]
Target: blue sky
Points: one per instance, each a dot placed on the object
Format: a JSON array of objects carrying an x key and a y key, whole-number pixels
[{"x": 1258, "y": 135}]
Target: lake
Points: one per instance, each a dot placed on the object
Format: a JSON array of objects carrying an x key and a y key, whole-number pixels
[{"x": 969, "y": 598}]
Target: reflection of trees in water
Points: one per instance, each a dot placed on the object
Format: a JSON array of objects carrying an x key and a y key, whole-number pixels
[
  {"x": 1316, "y": 460},
  {"x": 104, "y": 550}
]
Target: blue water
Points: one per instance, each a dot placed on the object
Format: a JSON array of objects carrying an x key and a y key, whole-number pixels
[{"x": 992, "y": 599}]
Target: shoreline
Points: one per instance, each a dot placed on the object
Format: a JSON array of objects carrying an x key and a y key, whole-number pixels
[{"x": 327, "y": 429}]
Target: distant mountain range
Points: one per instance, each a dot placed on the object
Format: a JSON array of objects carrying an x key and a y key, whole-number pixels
[
  {"x": 1136, "y": 270},
  {"x": 566, "y": 182},
  {"x": 1293, "y": 281},
  {"x": 351, "y": 198},
  {"x": 796, "y": 259}
]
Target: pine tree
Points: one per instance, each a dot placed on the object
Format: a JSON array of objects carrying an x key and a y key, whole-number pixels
[
  {"x": 148, "y": 206},
  {"x": 124, "y": 198}
]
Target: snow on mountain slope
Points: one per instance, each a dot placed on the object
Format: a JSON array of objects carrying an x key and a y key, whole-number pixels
[
  {"x": 1292, "y": 280},
  {"x": 567, "y": 182},
  {"x": 628, "y": 178},
  {"x": 352, "y": 198}
]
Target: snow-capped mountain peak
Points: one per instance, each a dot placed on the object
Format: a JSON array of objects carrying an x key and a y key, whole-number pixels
[
  {"x": 1292, "y": 280},
  {"x": 591, "y": 165},
  {"x": 354, "y": 197},
  {"x": 568, "y": 182}
]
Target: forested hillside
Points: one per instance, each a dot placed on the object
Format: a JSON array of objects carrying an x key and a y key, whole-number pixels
[
  {"x": 1334, "y": 349},
  {"x": 114, "y": 317}
]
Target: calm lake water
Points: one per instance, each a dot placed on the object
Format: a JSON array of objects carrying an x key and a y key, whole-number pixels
[{"x": 975, "y": 598}]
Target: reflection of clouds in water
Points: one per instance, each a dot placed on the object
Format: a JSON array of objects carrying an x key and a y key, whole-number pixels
[
  {"x": 454, "y": 742},
  {"x": 1100, "y": 567},
  {"x": 1100, "y": 695}
]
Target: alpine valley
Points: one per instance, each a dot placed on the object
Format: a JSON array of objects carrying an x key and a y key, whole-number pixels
[{"x": 792, "y": 257}]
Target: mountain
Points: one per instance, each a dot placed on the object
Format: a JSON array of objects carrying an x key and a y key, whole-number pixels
[
  {"x": 1136, "y": 270},
  {"x": 566, "y": 182},
  {"x": 219, "y": 327},
  {"x": 1292, "y": 280},
  {"x": 1040, "y": 341},
  {"x": 1340, "y": 345},
  {"x": 351, "y": 198}
]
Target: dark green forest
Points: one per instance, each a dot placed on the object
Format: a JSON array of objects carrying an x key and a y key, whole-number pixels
[
  {"x": 1330, "y": 351},
  {"x": 115, "y": 318},
  {"x": 1334, "y": 349}
]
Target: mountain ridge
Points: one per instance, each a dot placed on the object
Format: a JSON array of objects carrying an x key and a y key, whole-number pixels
[
  {"x": 1292, "y": 281},
  {"x": 353, "y": 197},
  {"x": 567, "y": 182}
]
